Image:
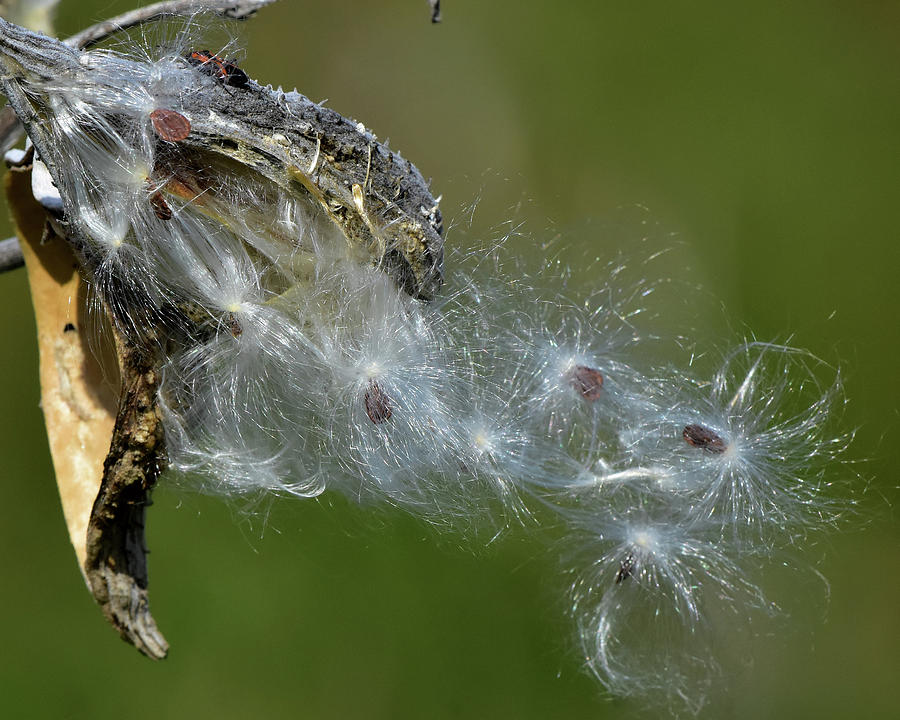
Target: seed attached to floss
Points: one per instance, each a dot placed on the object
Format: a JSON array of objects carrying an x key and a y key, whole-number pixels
[
  {"x": 234, "y": 325},
  {"x": 587, "y": 381},
  {"x": 160, "y": 206},
  {"x": 170, "y": 125},
  {"x": 378, "y": 404},
  {"x": 626, "y": 568},
  {"x": 703, "y": 438}
]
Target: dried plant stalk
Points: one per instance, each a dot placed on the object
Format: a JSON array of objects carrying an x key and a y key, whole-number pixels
[{"x": 116, "y": 562}]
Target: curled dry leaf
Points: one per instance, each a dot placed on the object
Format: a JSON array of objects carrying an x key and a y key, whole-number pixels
[
  {"x": 78, "y": 401},
  {"x": 104, "y": 450}
]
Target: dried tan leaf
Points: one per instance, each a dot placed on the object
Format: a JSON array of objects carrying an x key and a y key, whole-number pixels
[{"x": 79, "y": 400}]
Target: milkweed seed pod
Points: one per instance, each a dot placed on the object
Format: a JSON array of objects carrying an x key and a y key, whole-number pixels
[{"x": 274, "y": 276}]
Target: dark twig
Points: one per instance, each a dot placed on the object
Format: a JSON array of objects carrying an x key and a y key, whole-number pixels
[
  {"x": 116, "y": 562},
  {"x": 235, "y": 10}
]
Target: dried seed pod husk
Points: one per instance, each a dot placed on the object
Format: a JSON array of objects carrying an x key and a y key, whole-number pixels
[{"x": 219, "y": 138}]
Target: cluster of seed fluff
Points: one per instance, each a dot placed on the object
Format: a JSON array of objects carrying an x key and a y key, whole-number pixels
[{"x": 312, "y": 371}]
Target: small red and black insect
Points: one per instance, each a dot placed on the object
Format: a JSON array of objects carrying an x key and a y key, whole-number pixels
[{"x": 224, "y": 71}]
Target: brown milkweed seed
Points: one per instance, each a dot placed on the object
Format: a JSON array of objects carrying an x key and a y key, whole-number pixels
[
  {"x": 378, "y": 404},
  {"x": 234, "y": 325},
  {"x": 703, "y": 438},
  {"x": 160, "y": 206},
  {"x": 587, "y": 381},
  {"x": 170, "y": 125}
]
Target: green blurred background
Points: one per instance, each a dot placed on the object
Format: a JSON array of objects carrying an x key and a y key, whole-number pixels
[{"x": 760, "y": 139}]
